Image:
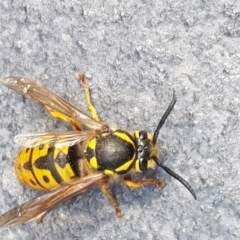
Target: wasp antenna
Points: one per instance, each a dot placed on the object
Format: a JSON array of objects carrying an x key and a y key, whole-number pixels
[
  {"x": 180, "y": 179},
  {"x": 164, "y": 117}
]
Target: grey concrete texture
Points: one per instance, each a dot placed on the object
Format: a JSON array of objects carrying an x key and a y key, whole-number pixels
[{"x": 133, "y": 53}]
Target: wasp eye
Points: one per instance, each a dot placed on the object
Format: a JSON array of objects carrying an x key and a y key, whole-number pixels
[
  {"x": 143, "y": 164},
  {"x": 143, "y": 135}
]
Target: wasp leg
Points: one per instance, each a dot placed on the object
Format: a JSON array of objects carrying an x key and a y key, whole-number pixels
[
  {"x": 75, "y": 125},
  {"x": 63, "y": 117},
  {"x": 90, "y": 106},
  {"x": 143, "y": 182},
  {"x": 111, "y": 198}
]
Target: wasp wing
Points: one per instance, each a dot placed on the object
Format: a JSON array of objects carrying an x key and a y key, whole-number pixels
[
  {"x": 54, "y": 139},
  {"x": 36, "y": 208},
  {"x": 57, "y": 106}
]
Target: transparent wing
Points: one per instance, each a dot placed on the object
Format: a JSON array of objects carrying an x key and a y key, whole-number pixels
[
  {"x": 57, "y": 106},
  {"x": 36, "y": 208},
  {"x": 54, "y": 139}
]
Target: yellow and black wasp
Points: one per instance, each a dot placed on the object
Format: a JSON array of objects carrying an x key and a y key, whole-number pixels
[{"x": 67, "y": 163}]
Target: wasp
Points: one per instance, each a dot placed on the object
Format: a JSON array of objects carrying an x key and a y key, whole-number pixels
[{"x": 67, "y": 163}]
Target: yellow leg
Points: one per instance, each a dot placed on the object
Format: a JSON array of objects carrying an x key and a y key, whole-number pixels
[
  {"x": 63, "y": 117},
  {"x": 91, "y": 108},
  {"x": 143, "y": 182},
  {"x": 111, "y": 198}
]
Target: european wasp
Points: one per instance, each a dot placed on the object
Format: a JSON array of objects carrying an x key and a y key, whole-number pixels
[{"x": 67, "y": 163}]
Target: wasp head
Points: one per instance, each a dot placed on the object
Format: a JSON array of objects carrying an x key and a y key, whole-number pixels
[{"x": 147, "y": 151}]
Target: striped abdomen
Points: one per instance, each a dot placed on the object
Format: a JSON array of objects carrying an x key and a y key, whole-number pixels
[{"x": 44, "y": 167}]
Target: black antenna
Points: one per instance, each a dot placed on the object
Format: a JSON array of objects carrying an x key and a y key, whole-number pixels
[
  {"x": 164, "y": 117},
  {"x": 176, "y": 176}
]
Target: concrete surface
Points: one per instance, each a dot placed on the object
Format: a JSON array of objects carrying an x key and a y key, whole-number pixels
[{"x": 134, "y": 53}]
